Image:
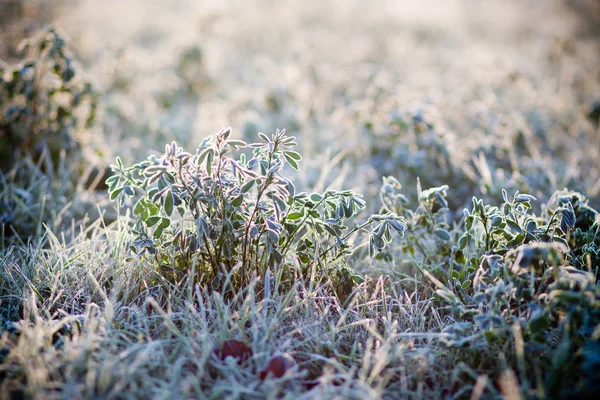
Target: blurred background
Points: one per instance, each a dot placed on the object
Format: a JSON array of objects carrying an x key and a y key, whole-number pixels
[{"x": 476, "y": 95}]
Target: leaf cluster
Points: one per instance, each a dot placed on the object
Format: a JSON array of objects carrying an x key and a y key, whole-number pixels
[
  {"x": 233, "y": 217},
  {"x": 515, "y": 276}
]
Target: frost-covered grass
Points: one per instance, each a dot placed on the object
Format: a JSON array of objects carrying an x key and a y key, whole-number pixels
[
  {"x": 99, "y": 330},
  {"x": 500, "y": 300}
]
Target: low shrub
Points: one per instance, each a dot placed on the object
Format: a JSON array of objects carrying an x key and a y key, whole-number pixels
[
  {"x": 523, "y": 283},
  {"x": 224, "y": 219}
]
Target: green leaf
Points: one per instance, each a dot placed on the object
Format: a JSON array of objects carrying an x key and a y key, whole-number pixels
[
  {"x": 291, "y": 161},
  {"x": 292, "y": 154},
  {"x": 113, "y": 183},
  {"x": 332, "y": 230},
  {"x": 517, "y": 240},
  {"x": 398, "y": 225},
  {"x": 505, "y": 196},
  {"x": 304, "y": 257},
  {"x": 155, "y": 169},
  {"x": 152, "y": 221},
  {"x": 387, "y": 236},
  {"x": 203, "y": 155},
  {"x": 279, "y": 203},
  {"x": 379, "y": 230},
  {"x": 442, "y": 234},
  {"x": 513, "y": 225},
  {"x": 347, "y": 208},
  {"x": 201, "y": 227},
  {"x": 139, "y": 207},
  {"x": 496, "y": 220},
  {"x": 238, "y": 201},
  {"x": 209, "y": 160},
  {"x": 522, "y": 198},
  {"x": 111, "y": 179},
  {"x": 154, "y": 178},
  {"x": 183, "y": 157},
  {"x": 169, "y": 203},
  {"x": 316, "y": 197},
  {"x": 158, "y": 195},
  {"x": 115, "y": 193},
  {"x": 290, "y": 188},
  {"x": 264, "y": 166},
  {"x": 225, "y": 132},
  {"x": 294, "y": 215},
  {"x": 469, "y": 222},
  {"x": 360, "y": 203},
  {"x": 462, "y": 242},
  {"x": 568, "y": 218},
  {"x": 247, "y": 186}
]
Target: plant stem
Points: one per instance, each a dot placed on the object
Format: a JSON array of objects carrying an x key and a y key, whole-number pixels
[
  {"x": 284, "y": 249},
  {"x": 346, "y": 236},
  {"x": 247, "y": 233}
]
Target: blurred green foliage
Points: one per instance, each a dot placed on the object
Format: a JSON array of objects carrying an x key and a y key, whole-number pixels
[
  {"x": 44, "y": 103},
  {"x": 45, "y": 108}
]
